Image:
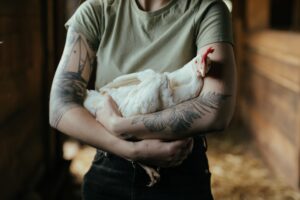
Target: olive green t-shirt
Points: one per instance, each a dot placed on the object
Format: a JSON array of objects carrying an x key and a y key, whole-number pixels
[{"x": 129, "y": 39}]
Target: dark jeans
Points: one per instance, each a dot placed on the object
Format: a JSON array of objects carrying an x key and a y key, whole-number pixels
[{"x": 113, "y": 178}]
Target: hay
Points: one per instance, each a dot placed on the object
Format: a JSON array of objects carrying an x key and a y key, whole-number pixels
[{"x": 238, "y": 172}]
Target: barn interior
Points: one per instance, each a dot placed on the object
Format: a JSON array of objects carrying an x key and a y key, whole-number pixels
[{"x": 257, "y": 157}]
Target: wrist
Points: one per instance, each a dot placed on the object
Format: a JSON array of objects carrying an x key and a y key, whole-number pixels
[
  {"x": 128, "y": 150},
  {"x": 138, "y": 151},
  {"x": 119, "y": 125},
  {"x": 115, "y": 124},
  {"x": 110, "y": 122}
]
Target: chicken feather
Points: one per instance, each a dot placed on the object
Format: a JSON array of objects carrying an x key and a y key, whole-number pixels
[{"x": 149, "y": 91}]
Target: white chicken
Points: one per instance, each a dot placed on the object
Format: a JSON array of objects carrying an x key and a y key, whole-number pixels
[{"x": 148, "y": 91}]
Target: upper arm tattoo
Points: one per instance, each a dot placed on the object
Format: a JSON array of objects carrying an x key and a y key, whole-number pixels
[
  {"x": 70, "y": 82},
  {"x": 181, "y": 117}
]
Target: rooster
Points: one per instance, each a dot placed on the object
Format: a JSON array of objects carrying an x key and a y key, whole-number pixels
[{"x": 149, "y": 91}]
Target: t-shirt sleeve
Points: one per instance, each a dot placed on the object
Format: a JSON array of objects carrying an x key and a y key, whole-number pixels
[
  {"x": 87, "y": 20},
  {"x": 214, "y": 24}
]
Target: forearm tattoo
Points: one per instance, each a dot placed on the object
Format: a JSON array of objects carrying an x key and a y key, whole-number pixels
[
  {"x": 69, "y": 86},
  {"x": 181, "y": 117}
]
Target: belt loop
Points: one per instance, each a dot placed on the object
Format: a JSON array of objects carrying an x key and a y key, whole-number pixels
[
  {"x": 107, "y": 154},
  {"x": 133, "y": 164}
]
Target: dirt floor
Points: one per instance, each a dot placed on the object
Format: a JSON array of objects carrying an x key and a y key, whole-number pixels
[{"x": 238, "y": 173}]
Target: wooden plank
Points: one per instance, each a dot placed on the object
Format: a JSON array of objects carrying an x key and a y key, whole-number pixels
[
  {"x": 272, "y": 101},
  {"x": 25, "y": 143},
  {"x": 281, "y": 46},
  {"x": 296, "y": 22},
  {"x": 21, "y": 147},
  {"x": 281, "y": 73},
  {"x": 8, "y": 48},
  {"x": 21, "y": 150},
  {"x": 257, "y": 14},
  {"x": 23, "y": 127},
  {"x": 280, "y": 154},
  {"x": 22, "y": 169},
  {"x": 270, "y": 90},
  {"x": 15, "y": 96},
  {"x": 20, "y": 71},
  {"x": 53, "y": 142},
  {"x": 298, "y": 139}
]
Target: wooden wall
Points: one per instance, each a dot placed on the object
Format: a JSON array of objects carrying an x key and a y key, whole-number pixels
[
  {"x": 28, "y": 150},
  {"x": 271, "y": 99},
  {"x": 269, "y": 94},
  {"x": 21, "y": 119}
]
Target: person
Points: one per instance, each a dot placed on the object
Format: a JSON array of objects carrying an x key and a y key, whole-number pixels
[{"x": 123, "y": 36}]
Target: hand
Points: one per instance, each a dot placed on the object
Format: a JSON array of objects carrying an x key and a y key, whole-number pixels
[
  {"x": 108, "y": 114},
  {"x": 163, "y": 154}
]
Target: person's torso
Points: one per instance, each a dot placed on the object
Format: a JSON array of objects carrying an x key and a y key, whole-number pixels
[{"x": 133, "y": 40}]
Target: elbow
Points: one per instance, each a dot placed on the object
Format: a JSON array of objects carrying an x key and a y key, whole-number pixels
[
  {"x": 53, "y": 121},
  {"x": 53, "y": 108},
  {"x": 225, "y": 114},
  {"x": 222, "y": 125},
  {"x": 55, "y": 112},
  {"x": 52, "y": 124},
  {"x": 57, "y": 109},
  {"x": 223, "y": 122}
]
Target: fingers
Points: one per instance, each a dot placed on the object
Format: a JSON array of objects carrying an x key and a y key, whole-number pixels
[
  {"x": 165, "y": 154},
  {"x": 182, "y": 151},
  {"x": 181, "y": 142}
]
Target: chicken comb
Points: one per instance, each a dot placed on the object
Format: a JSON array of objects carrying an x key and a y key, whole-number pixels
[{"x": 208, "y": 51}]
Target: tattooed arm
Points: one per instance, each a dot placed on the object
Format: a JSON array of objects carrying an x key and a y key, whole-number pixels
[
  {"x": 210, "y": 111},
  {"x": 67, "y": 94},
  {"x": 69, "y": 116}
]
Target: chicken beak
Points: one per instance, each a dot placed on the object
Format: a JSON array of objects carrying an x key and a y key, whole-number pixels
[{"x": 200, "y": 73}]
